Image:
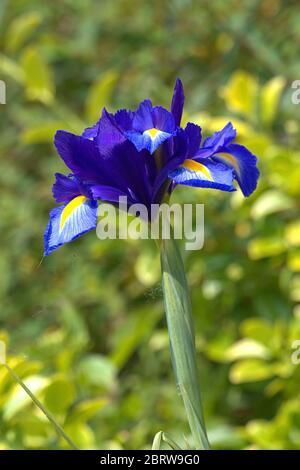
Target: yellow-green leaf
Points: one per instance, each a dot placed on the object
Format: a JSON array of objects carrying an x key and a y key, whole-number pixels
[
  {"x": 250, "y": 370},
  {"x": 266, "y": 247},
  {"x": 240, "y": 93},
  {"x": 11, "y": 69},
  {"x": 20, "y": 29},
  {"x": 100, "y": 95},
  {"x": 247, "y": 348},
  {"x": 43, "y": 132},
  {"x": 59, "y": 395},
  {"x": 270, "y": 96},
  {"x": 39, "y": 85}
]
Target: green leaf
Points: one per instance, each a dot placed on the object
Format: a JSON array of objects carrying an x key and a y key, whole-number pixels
[
  {"x": 258, "y": 330},
  {"x": 97, "y": 370},
  {"x": 250, "y": 370},
  {"x": 271, "y": 202},
  {"x": 171, "y": 443},
  {"x": 44, "y": 132},
  {"x": 19, "y": 398},
  {"x": 100, "y": 95},
  {"x": 292, "y": 233},
  {"x": 81, "y": 434},
  {"x": 137, "y": 328},
  {"x": 270, "y": 96},
  {"x": 87, "y": 409},
  {"x": 39, "y": 85},
  {"x": 247, "y": 348},
  {"x": 240, "y": 93},
  {"x": 266, "y": 247},
  {"x": 147, "y": 268},
  {"x": 59, "y": 395},
  {"x": 157, "y": 441},
  {"x": 11, "y": 69},
  {"x": 20, "y": 29}
]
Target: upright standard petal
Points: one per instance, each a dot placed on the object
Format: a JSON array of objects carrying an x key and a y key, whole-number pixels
[
  {"x": 218, "y": 140},
  {"x": 243, "y": 163},
  {"x": 91, "y": 132},
  {"x": 204, "y": 173},
  {"x": 109, "y": 134},
  {"x": 151, "y": 126},
  {"x": 69, "y": 222},
  {"x": 193, "y": 136},
  {"x": 150, "y": 139},
  {"x": 177, "y": 102}
]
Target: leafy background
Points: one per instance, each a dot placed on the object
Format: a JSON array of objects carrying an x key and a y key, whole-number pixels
[{"x": 84, "y": 327}]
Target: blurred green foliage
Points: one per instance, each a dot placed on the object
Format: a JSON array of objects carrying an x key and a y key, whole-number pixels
[{"x": 84, "y": 327}]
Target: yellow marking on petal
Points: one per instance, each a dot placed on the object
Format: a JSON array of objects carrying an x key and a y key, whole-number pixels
[
  {"x": 76, "y": 202},
  {"x": 229, "y": 159},
  {"x": 153, "y": 132},
  {"x": 196, "y": 166}
]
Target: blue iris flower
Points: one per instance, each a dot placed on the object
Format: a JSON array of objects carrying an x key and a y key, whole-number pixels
[{"x": 142, "y": 155}]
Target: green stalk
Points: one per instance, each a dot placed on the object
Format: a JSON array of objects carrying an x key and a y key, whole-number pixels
[{"x": 182, "y": 339}]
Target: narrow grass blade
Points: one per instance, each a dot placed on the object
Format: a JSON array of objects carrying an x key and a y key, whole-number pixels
[{"x": 51, "y": 418}]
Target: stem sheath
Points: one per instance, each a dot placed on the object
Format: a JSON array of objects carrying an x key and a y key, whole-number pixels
[{"x": 182, "y": 339}]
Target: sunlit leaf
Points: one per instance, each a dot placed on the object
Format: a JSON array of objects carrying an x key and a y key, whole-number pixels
[
  {"x": 100, "y": 95},
  {"x": 292, "y": 233},
  {"x": 42, "y": 132},
  {"x": 19, "y": 398},
  {"x": 96, "y": 370},
  {"x": 240, "y": 93},
  {"x": 12, "y": 69},
  {"x": 39, "y": 85},
  {"x": 250, "y": 370},
  {"x": 266, "y": 247},
  {"x": 20, "y": 29},
  {"x": 270, "y": 96},
  {"x": 247, "y": 348},
  {"x": 87, "y": 409},
  {"x": 270, "y": 202},
  {"x": 59, "y": 395}
]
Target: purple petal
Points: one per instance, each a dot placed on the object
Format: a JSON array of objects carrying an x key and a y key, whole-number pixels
[
  {"x": 143, "y": 117},
  {"x": 177, "y": 102},
  {"x": 219, "y": 139},
  {"x": 204, "y": 173},
  {"x": 65, "y": 188},
  {"x": 79, "y": 154},
  {"x": 109, "y": 134},
  {"x": 80, "y": 220},
  {"x": 163, "y": 120},
  {"x": 193, "y": 134},
  {"x": 243, "y": 162}
]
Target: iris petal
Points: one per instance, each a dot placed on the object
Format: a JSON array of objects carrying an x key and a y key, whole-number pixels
[
  {"x": 65, "y": 188},
  {"x": 193, "y": 135},
  {"x": 204, "y": 173},
  {"x": 243, "y": 162},
  {"x": 216, "y": 141},
  {"x": 69, "y": 222},
  {"x": 148, "y": 140},
  {"x": 91, "y": 132},
  {"x": 79, "y": 154},
  {"x": 177, "y": 102},
  {"x": 143, "y": 117},
  {"x": 109, "y": 134}
]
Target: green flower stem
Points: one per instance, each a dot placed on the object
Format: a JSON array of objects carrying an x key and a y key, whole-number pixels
[
  {"x": 182, "y": 339},
  {"x": 51, "y": 418}
]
